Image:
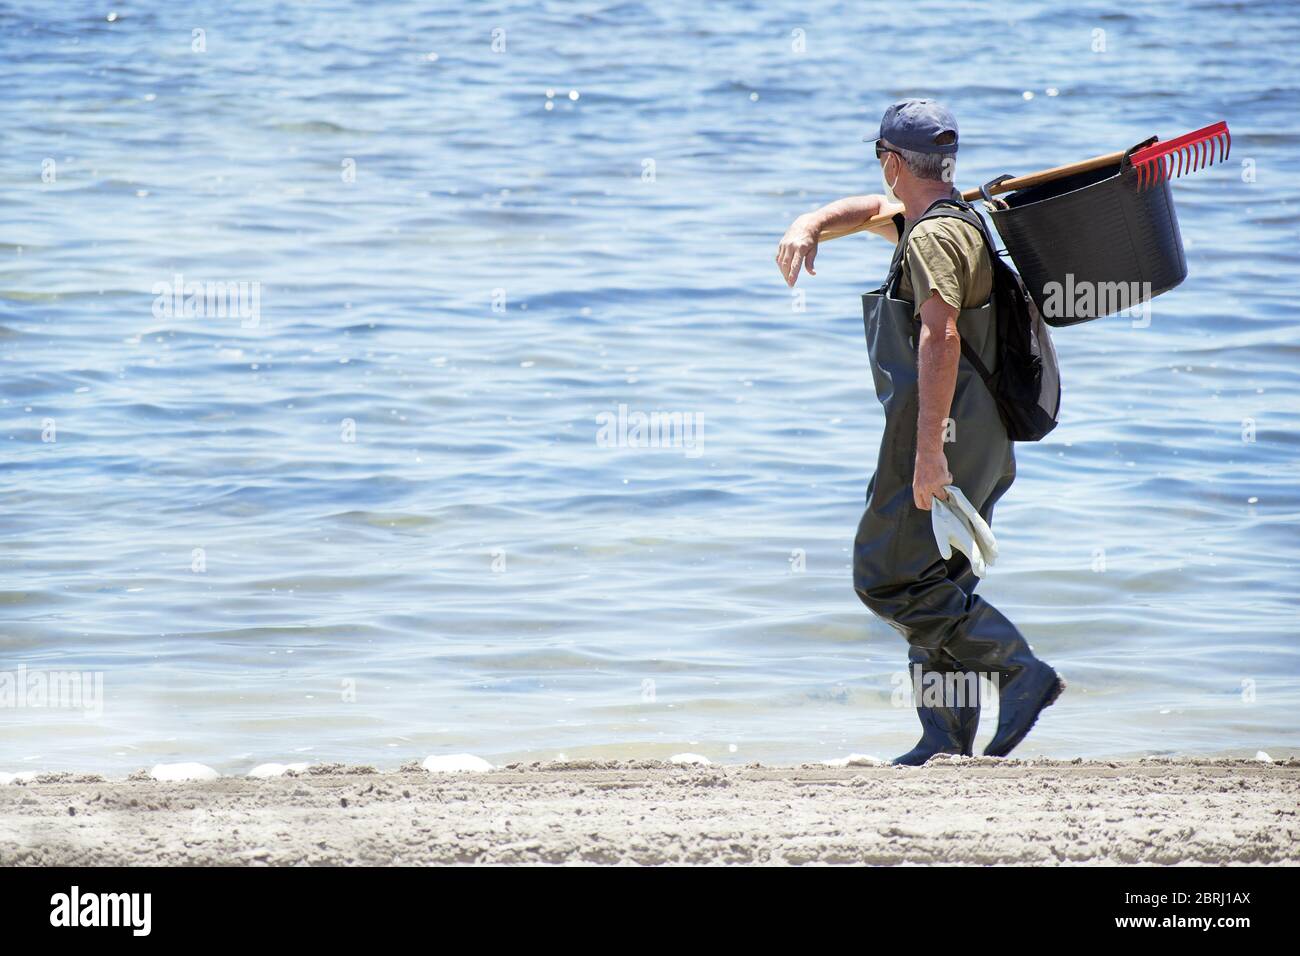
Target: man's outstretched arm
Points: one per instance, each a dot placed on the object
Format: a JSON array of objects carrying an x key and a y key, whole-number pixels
[{"x": 798, "y": 246}]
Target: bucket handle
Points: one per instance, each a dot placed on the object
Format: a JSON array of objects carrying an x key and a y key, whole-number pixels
[
  {"x": 1127, "y": 162},
  {"x": 984, "y": 190}
]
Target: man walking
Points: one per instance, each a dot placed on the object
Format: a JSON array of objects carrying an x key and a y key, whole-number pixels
[{"x": 942, "y": 428}]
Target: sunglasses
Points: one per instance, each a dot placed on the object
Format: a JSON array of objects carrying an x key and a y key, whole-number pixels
[{"x": 882, "y": 149}]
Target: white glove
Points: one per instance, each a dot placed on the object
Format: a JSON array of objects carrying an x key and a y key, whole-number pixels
[{"x": 958, "y": 525}]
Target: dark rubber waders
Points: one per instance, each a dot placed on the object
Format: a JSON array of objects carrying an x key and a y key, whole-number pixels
[{"x": 897, "y": 569}]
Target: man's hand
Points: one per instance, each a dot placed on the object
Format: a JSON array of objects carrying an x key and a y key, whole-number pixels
[
  {"x": 929, "y": 475},
  {"x": 798, "y": 248}
]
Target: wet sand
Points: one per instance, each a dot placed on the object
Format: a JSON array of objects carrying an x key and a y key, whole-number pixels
[{"x": 979, "y": 811}]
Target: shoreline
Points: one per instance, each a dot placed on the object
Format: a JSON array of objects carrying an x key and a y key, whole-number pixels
[{"x": 1152, "y": 811}]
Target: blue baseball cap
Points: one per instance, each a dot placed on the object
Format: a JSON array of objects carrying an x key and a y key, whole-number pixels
[{"x": 915, "y": 125}]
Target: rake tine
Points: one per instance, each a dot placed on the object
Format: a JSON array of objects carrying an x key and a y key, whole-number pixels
[{"x": 1162, "y": 162}]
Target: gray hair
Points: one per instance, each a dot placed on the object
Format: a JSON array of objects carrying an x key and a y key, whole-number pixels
[
  {"x": 940, "y": 167},
  {"x": 937, "y": 166}
]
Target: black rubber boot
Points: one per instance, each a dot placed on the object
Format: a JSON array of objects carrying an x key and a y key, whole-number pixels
[
  {"x": 1020, "y": 702},
  {"x": 944, "y": 730},
  {"x": 1026, "y": 685}
]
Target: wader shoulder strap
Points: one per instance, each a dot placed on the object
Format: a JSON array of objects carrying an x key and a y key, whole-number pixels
[{"x": 900, "y": 250}]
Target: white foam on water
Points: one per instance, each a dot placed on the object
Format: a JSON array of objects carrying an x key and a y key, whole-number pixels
[
  {"x": 455, "y": 763},
  {"x": 173, "y": 772},
  {"x": 1261, "y": 756},
  {"x": 689, "y": 759},
  {"x": 22, "y": 775},
  {"x": 263, "y": 770},
  {"x": 854, "y": 760}
]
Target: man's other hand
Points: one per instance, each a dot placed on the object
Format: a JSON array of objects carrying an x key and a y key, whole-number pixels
[
  {"x": 798, "y": 248},
  {"x": 929, "y": 475}
]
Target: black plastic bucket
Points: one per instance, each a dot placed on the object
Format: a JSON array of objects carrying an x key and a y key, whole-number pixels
[{"x": 1093, "y": 244}]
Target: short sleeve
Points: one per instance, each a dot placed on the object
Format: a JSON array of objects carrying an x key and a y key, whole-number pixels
[{"x": 936, "y": 263}]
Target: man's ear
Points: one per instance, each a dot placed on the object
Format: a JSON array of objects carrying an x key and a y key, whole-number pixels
[{"x": 899, "y": 168}]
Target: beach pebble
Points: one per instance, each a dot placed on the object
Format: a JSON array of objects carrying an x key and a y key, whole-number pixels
[
  {"x": 689, "y": 759},
  {"x": 263, "y": 770},
  {"x": 173, "y": 772},
  {"x": 854, "y": 760},
  {"x": 455, "y": 763}
]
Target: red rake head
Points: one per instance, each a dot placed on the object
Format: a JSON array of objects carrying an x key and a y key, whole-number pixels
[{"x": 1161, "y": 161}]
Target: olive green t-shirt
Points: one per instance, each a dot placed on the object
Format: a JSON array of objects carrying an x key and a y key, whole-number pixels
[{"x": 947, "y": 256}]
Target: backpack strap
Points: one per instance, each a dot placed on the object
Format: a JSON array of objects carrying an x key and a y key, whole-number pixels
[
  {"x": 960, "y": 209},
  {"x": 977, "y": 363},
  {"x": 953, "y": 207}
]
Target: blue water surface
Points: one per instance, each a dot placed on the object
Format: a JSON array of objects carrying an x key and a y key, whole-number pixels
[{"x": 377, "y": 520}]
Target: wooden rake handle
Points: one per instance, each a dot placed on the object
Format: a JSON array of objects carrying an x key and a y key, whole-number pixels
[{"x": 1006, "y": 186}]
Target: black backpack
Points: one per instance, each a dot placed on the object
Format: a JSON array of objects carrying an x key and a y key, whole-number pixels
[{"x": 1027, "y": 383}]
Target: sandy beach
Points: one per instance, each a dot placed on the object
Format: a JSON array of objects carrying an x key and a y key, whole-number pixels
[{"x": 973, "y": 811}]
